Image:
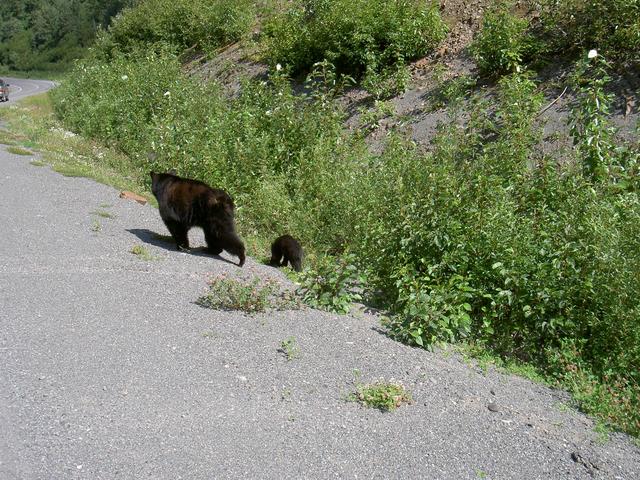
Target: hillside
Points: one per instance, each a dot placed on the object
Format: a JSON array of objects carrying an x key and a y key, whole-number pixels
[{"x": 469, "y": 167}]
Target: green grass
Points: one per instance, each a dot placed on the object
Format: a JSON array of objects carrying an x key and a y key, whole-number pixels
[
  {"x": 38, "y": 163},
  {"x": 19, "y": 150},
  {"x": 7, "y": 138}
]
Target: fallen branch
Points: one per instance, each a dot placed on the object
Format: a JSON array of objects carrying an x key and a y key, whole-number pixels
[{"x": 552, "y": 103}]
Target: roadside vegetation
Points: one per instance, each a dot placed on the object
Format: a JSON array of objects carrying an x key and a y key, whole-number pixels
[{"x": 486, "y": 239}]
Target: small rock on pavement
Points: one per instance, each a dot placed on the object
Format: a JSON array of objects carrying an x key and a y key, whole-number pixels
[{"x": 493, "y": 406}]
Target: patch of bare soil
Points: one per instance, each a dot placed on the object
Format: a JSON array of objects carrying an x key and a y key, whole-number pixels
[{"x": 229, "y": 67}]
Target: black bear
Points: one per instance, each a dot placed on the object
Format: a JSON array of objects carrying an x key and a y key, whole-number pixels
[
  {"x": 288, "y": 247},
  {"x": 186, "y": 203}
]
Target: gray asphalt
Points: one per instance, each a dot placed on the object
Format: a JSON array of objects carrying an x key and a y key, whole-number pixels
[{"x": 111, "y": 371}]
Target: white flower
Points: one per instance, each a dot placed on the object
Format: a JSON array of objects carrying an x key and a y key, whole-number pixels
[
  {"x": 124, "y": 77},
  {"x": 167, "y": 93},
  {"x": 593, "y": 53},
  {"x": 278, "y": 67}
]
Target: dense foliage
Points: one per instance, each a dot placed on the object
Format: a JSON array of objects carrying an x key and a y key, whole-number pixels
[
  {"x": 611, "y": 26},
  {"x": 364, "y": 38},
  {"x": 507, "y": 41},
  {"x": 182, "y": 24},
  {"x": 49, "y": 34}
]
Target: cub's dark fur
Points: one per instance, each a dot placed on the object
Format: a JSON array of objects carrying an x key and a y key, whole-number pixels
[
  {"x": 186, "y": 203},
  {"x": 288, "y": 247}
]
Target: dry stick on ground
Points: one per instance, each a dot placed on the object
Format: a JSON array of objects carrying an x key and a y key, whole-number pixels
[{"x": 552, "y": 103}]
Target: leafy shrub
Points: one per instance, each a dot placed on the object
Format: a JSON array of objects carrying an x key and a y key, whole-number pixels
[
  {"x": 451, "y": 92},
  {"x": 374, "y": 38},
  {"x": 333, "y": 285},
  {"x": 117, "y": 101},
  {"x": 485, "y": 239},
  {"x": 503, "y": 42},
  {"x": 603, "y": 159},
  {"x": 180, "y": 23}
]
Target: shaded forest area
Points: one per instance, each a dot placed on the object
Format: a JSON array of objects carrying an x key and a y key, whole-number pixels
[{"x": 49, "y": 34}]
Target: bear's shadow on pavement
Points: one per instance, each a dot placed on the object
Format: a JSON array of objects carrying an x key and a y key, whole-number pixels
[{"x": 167, "y": 242}]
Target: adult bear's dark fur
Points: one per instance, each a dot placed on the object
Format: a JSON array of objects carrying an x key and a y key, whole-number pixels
[
  {"x": 288, "y": 247},
  {"x": 186, "y": 203}
]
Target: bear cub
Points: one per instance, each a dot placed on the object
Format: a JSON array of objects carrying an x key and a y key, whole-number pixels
[
  {"x": 186, "y": 203},
  {"x": 288, "y": 247}
]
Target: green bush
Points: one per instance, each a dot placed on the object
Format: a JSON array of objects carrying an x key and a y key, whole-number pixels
[
  {"x": 360, "y": 37},
  {"x": 180, "y": 23},
  {"x": 117, "y": 102},
  {"x": 503, "y": 42},
  {"x": 333, "y": 284}
]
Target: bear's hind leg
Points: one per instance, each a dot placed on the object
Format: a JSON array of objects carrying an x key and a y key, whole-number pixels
[
  {"x": 179, "y": 233},
  {"x": 232, "y": 244},
  {"x": 214, "y": 245}
]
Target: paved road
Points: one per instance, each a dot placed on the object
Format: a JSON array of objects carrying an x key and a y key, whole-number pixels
[
  {"x": 111, "y": 371},
  {"x": 20, "y": 88}
]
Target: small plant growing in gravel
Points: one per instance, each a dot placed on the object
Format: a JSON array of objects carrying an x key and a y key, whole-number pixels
[
  {"x": 249, "y": 296},
  {"x": 451, "y": 91},
  {"x": 385, "y": 396},
  {"x": 95, "y": 226},
  {"x": 37, "y": 163},
  {"x": 103, "y": 214},
  {"x": 289, "y": 347},
  {"x": 371, "y": 118},
  {"x": 142, "y": 252}
]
